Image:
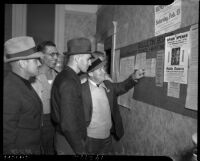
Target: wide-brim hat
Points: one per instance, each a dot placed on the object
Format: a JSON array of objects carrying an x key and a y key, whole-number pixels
[
  {"x": 20, "y": 48},
  {"x": 96, "y": 64},
  {"x": 79, "y": 45}
]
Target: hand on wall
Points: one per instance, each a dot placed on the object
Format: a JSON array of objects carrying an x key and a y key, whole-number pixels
[{"x": 137, "y": 74}]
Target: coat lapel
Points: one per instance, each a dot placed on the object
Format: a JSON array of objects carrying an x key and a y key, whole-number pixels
[
  {"x": 87, "y": 101},
  {"x": 28, "y": 91},
  {"x": 109, "y": 95}
]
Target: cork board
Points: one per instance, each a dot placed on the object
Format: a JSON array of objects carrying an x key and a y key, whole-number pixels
[{"x": 147, "y": 91}]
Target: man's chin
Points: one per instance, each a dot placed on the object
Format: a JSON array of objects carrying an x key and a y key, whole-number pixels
[{"x": 52, "y": 66}]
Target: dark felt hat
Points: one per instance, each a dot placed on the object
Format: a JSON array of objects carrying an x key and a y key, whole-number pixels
[
  {"x": 79, "y": 45},
  {"x": 98, "y": 63}
]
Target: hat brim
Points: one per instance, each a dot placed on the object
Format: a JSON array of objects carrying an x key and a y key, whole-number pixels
[
  {"x": 96, "y": 67},
  {"x": 76, "y": 53},
  {"x": 32, "y": 56}
]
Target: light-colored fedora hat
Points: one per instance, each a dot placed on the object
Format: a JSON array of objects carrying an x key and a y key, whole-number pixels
[{"x": 19, "y": 48}]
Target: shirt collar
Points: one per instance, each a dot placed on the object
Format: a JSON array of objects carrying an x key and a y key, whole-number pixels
[
  {"x": 97, "y": 85},
  {"x": 93, "y": 83}
]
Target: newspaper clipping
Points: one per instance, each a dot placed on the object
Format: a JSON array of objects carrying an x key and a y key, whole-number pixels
[{"x": 176, "y": 58}]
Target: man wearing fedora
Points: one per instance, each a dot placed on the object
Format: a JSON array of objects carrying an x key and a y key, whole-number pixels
[
  {"x": 95, "y": 55},
  {"x": 22, "y": 107},
  {"x": 66, "y": 99},
  {"x": 101, "y": 109}
]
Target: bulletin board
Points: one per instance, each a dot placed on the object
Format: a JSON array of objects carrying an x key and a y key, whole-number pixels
[{"x": 146, "y": 90}]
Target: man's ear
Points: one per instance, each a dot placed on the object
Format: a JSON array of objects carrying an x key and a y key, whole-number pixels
[
  {"x": 76, "y": 58},
  {"x": 22, "y": 63},
  {"x": 90, "y": 74}
]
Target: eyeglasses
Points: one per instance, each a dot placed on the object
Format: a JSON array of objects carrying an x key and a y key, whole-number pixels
[{"x": 53, "y": 54}]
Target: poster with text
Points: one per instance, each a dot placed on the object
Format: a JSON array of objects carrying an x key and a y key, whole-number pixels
[
  {"x": 176, "y": 58},
  {"x": 167, "y": 18}
]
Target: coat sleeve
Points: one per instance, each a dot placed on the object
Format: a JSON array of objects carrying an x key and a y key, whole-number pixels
[
  {"x": 123, "y": 87},
  {"x": 70, "y": 115},
  {"x": 11, "y": 108}
]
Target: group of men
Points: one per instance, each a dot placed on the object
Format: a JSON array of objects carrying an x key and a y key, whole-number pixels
[{"x": 51, "y": 112}]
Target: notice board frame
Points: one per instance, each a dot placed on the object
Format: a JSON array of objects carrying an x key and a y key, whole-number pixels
[{"x": 147, "y": 91}]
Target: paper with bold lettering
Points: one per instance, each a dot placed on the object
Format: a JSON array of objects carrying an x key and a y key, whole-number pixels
[
  {"x": 177, "y": 48},
  {"x": 167, "y": 18}
]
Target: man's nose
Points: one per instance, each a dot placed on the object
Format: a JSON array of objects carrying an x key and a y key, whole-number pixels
[
  {"x": 90, "y": 63},
  {"x": 39, "y": 63},
  {"x": 55, "y": 56}
]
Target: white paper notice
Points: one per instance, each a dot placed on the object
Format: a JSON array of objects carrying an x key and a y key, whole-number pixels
[
  {"x": 150, "y": 70},
  {"x": 167, "y": 18},
  {"x": 192, "y": 88},
  {"x": 173, "y": 89},
  {"x": 127, "y": 66},
  {"x": 159, "y": 68},
  {"x": 140, "y": 61}
]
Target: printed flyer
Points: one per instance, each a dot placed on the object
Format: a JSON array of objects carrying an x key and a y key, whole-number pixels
[{"x": 176, "y": 58}]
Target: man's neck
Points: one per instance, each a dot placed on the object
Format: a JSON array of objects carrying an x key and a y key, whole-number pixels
[
  {"x": 74, "y": 67},
  {"x": 47, "y": 71},
  {"x": 45, "y": 68},
  {"x": 21, "y": 74}
]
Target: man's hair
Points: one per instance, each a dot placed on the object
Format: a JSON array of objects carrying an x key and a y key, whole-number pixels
[{"x": 41, "y": 47}]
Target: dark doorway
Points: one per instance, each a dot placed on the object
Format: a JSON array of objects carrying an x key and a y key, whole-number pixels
[
  {"x": 41, "y": 21},
  {"x": 108, "y": 56}
]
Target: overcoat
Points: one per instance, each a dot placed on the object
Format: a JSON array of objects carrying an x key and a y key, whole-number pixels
[
  {"x": 67, "y": 109},
  {"x": 22, "y": 109}
]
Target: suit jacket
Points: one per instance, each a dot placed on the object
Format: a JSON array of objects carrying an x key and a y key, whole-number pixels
[
  {"x": 67, "y": 108},
  {"x": 113, "y": 91},
  {"x": 22, "y": 110}
]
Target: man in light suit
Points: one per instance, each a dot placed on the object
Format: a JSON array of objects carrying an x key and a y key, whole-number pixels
[
  {"x": 22, "y": 108},
  {"x": 101, "y": 109}
]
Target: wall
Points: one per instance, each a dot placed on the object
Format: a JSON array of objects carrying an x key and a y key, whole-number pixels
[
  {"x": 8, "y": 22},
  {"x": 79, "y": 24},
  {"x": 149, "y": 130},
  {"x": 41, "y": 22},
  {"x": 7, "y": 31}
]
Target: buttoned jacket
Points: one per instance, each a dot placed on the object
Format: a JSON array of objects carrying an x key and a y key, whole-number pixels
[
  {"x": 22, "y": 109},
  {"x": 67, "y": 109}
]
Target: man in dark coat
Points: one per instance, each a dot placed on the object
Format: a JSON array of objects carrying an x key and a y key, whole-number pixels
[
  {"x": 66, "y": 100},
  {"x": 22, "y": 107},
  {"x": 101, "y": 109}
]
